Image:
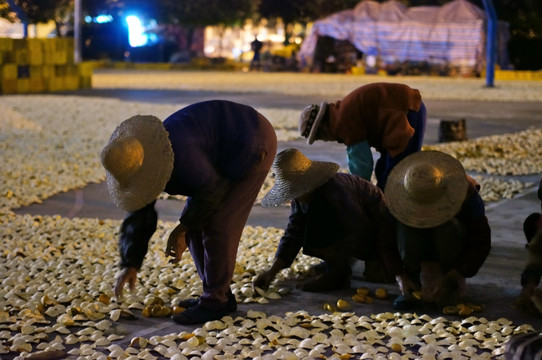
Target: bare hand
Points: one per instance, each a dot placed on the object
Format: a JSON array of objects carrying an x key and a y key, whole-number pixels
[
  {"x": 176, "y": 243},
  {"x": 262, "y": 280},
  {"x": 128, "y": 275}
]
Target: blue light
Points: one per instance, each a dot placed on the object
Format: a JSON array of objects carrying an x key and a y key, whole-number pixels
[
  {"x": 136, "y": 36},
  {"x": 101, "y": 19}
]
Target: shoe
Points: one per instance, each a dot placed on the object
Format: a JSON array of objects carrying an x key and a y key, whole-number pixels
[
  {"x": 199, "y": 314},
  {"x": 403, "y": 303},
  {"x": 328, "y": 282},
  {"x": 188, "y": 303}
]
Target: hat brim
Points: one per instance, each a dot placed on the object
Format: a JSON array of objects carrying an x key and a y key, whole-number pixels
[
  {"x": 317, "y": 122},
  {"x": 283, "y": 191},
  {"x": 432, "y": 212},
  {"x": 155, "y": 170}
]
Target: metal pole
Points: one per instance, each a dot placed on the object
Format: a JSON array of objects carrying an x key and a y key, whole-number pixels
[
  {"x": 77, "y": 31},
  {"x": 491, "y": 48}
]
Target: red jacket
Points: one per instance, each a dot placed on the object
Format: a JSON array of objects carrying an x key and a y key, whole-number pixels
[{"x": 376, "y": 113}]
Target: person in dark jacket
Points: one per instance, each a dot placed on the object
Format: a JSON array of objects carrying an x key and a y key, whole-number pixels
[
  {"x": 334, "y": 217},
  {"x": 530, "y": 277},
  {"x": 389, "y": 117},
  {"x": 443, "y": 232},
  {"x": 218, "y": 153}
]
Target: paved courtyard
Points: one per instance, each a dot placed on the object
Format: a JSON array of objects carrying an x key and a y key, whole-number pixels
[{"x": 495, "y": 287}]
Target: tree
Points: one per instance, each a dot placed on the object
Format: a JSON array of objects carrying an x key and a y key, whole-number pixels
[
  {"x": 301, "y": 11},
  {"x": 38, "y": 11}
]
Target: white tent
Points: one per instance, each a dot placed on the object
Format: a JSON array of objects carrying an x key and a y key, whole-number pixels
[{"x": 453, "y": 33}]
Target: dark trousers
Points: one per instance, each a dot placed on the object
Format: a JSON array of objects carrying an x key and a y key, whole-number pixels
[
  {"x": 385, "y": 163},
  {"x": 442, "y": 244},
  {"x": 214, "y": 249}
]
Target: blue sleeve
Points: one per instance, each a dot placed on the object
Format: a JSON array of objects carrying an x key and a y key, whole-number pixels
[
  {"x": 292, "y": 240},
  {"x": 135, "y": 232}
]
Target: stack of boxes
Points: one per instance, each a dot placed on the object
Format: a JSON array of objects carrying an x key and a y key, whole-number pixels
[{"x": 41, "y": 65}]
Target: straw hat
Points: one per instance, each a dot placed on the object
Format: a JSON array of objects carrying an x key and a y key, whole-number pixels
[
  {"x": 296, "y": 175},
  {"x": 138, "y": 161},
  {"x": 310, "y": 119},
  {"x": 426, "y": 189}
]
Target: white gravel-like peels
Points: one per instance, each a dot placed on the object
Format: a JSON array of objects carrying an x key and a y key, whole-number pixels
[
  {"x": 329, "y": 85},
  {"x": 59, "y": 278},
  {"x": 59, "y": 273}
]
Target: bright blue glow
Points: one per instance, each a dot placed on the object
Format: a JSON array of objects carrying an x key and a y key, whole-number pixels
[
  {"x": 136, "y": 36},
  {"x": 88, "y": 19},
  {"x": 101, "y": 19}
]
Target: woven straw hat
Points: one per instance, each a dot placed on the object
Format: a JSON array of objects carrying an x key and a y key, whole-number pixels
[
  {"x": 426, "y": 189},
  {"x": 296, "y": 175},
  {"x": 138, "y": 161},
  {"x": 310, "y": 120}
]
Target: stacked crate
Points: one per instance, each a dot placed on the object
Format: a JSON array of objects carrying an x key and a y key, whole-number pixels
[{"x": 41, "y": 65}]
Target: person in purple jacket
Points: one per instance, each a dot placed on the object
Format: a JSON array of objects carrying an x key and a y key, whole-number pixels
[
  {"x": 442, "y": 230},
  {"x": 218, "y": 153},
  {"x": 334, "y": 217}
]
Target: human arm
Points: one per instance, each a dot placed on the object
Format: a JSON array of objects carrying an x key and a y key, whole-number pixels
[
  {"x": 176, "y": 243},
  {"x": 135, "y": 232},
  {"x": 204, "y": 202},
  {"x": 530, "y": 277},
  {"x": 264, "y": 279},
  {"x": 478, "y": 236},
  {"x": 290, "y": 244}
]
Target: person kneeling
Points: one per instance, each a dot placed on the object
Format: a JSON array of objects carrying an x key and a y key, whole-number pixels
[
  {"x": 443, "y": 232},
  {"x": 334, "y": 217}
]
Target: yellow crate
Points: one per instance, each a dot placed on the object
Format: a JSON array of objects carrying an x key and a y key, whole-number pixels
[
  {"x": 358, "y": 70},
  {"x": 22, "y": 57},
  {"x": 36, "y": 57},
  {"x": 49, "y": 57},
  {"x": 72, "y": 70},
  {"x": 23, "y": 86},
  {"x": 48, "y": 45},
  {"x": 36, "y": 72},
  {"x": 34, "y": 44},
  {"x": 85, "y": 82},
  {"x": 6, "y": 44},
  {"x": 60, "y": 58},
  {"x": 9, "y": 86},
  {"x": 48, "y": 71},
  {"x": 9, "y": 72},
  {"x": 85, "y": 68},
  {"x": 61, "y": 70},
  {"x": 71, "y": 82},
  {"x": 55, "y": 83},
  {"x": 19, "y": 44},
  {"x": 37, "y": 85}
]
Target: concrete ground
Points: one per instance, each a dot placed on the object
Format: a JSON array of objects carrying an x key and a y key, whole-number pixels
[{"x": 497, "y": 284}]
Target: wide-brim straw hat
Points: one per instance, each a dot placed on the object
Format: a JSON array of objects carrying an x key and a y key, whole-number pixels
[
  {"x": 426, "y": 189},
  {"x": 296, "y": 175},
  {"x": 310, "y": 120},
  {"x": 138, "y": 161}
]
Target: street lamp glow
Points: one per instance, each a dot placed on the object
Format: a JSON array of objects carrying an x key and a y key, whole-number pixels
[{"x": 136, "y": 35}]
